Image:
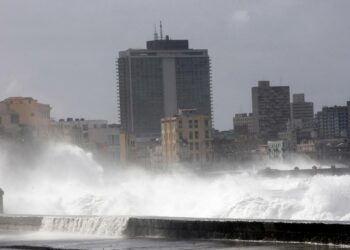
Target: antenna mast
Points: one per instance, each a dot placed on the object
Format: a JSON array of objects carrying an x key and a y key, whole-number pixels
[
  {"x": 155, "y": 33},
  {"x": 161, "y": 30}
]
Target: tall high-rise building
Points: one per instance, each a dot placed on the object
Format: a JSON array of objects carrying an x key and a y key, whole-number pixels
[
  {"x": 301, "y": 110},
  {"x": 271, "y": 109},
  {"x": 158, "y": 81},
  {"x": 333, "y": 122},
  {"x": 302, "y": 124}
]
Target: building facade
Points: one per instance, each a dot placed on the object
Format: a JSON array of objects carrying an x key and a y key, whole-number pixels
[
  {"x": 24, "y": 117},
  {"x": 301, "y": 110},
  {"x": 271, "y": 109},
  {"x": 243, "y": 124},
  {"x": 96, "y": 136},
  {"x": 333, "y": 122},
  {"x": 186, "y": 138},
  {"x": 155, "y": 82},
  {"x": 302, "y": 123}
]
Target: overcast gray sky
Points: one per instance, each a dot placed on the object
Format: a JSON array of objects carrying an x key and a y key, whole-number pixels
[{"x": 62, "y": 52}]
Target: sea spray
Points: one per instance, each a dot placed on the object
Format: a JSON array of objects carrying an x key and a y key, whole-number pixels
[
  {"x": 65, "y": 180},
  {"x": 85, "y": 225}
]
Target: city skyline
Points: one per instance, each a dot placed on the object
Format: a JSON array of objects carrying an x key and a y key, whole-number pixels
[{"x": 67, "y": 50}]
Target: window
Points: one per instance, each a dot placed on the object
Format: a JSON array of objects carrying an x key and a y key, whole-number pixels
[
  {"x": 191, "y": 146},
  {"x": 207, "y": 134},
  {"x": 190, "y": 125},
  {"x": 206, "y": 123},
  {"x": 196, "y": 134},
  {"x": 197, "y": 146},
  {"x": 197, "y": 157},
  {"x": 14, "y": 118},
  {"x": 191, "y": 135},
  {"x": 85, "y": 127},
  {"x": 113, "y": 140},
  {"x": 196, "y": 123},
  {"x": 180, "y": 123}
]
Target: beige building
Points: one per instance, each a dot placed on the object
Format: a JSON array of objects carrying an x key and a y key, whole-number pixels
[
  {"x": 308, "y": 147},
  {"x": 24, "y": 115},
  {"x": 187, "y": 138}
]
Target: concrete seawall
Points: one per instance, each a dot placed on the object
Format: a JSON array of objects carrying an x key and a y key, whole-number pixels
[
  {"x": 190, "y": 228},
  {"x": 288, "y": 231}
]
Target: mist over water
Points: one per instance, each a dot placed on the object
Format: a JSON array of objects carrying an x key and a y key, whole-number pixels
[{"x": 64, "y": 179}]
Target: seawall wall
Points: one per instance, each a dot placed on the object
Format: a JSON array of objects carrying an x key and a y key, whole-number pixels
[
  {"x": 191, "y": 228},
  {"x": 288, "y": 231}
]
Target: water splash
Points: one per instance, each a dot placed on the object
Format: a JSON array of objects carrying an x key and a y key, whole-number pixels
[
  {"x": 66, "y": 180},
  {"x": 96, "y": 225}
]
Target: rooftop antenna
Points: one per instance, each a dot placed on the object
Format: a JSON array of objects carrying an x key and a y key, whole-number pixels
[
  {"x": 155, "y": 33},
  {"x": 161, "y": 30}
]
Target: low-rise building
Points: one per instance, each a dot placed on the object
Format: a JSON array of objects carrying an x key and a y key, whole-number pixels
[
  {"x": 156, "y": 155},
  {"x": 229, "y": 147},
  {"x": 139, "y": 151},
  {"x": 333, "y": 122},
  {"x": 24, "y": 118},
  {"x": 307, "y": 147},
  {"x": 97, "y": 136},
  {"x": 276, "y": 149},
  {"x": 186, "y": 138},
  {"x": 333, "y": 150}
]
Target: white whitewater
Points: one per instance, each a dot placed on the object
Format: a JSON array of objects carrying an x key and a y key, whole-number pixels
[
  {"x": 65, "y": 180},
  {"x": 84, "y": 225}
]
